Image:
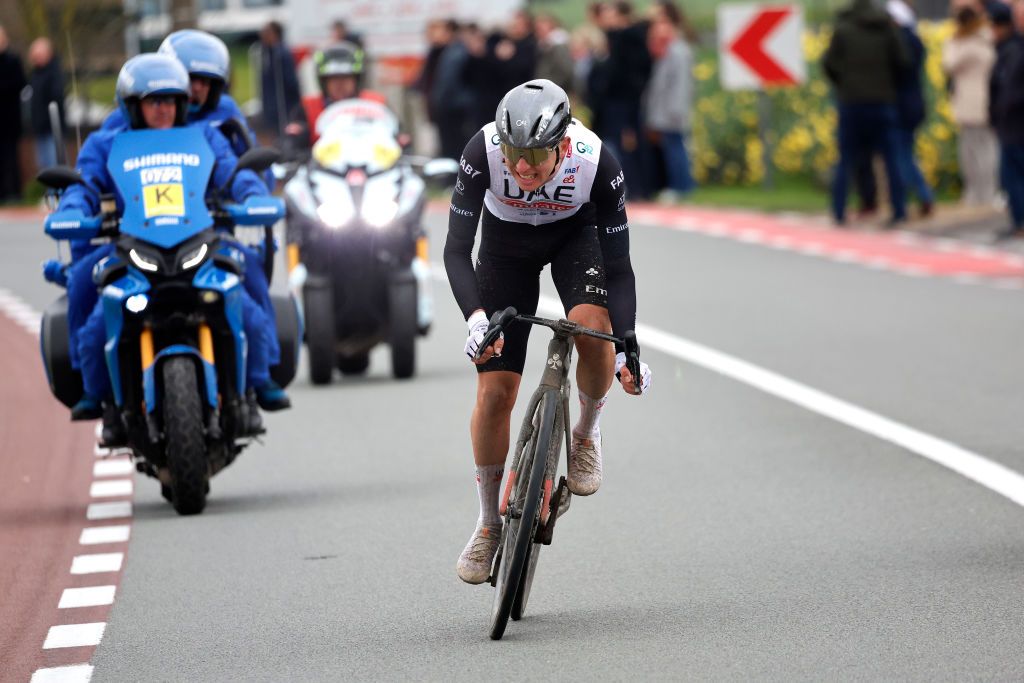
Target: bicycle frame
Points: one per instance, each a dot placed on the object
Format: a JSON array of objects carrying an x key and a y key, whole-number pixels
[{"x": 554, "y": 379}]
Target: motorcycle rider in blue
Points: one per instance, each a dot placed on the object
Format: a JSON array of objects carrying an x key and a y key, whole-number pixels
[
  {"x": 206, "y": 59},
  {"x": 153, "y": 92}
]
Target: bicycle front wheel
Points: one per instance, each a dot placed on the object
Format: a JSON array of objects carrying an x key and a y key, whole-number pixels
[{"x": 523, "y": 514}]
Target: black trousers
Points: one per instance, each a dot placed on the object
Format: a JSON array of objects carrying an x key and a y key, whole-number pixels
[{"x": 10, "y": 175}]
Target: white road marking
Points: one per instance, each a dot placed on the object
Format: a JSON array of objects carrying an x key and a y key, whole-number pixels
[
  {"x": 100, "y": 563},
  {"x": 91, "y": 596},
  {"x": 76, "y": 673},
  {"x": 977, "y": 468},
  {"x": 112, "y": 467},
  {"x": 121, "y": 508},
  {"x": 98, "y": 535},
  {"x": 74, "y": 635},
  {"x": 111, "y": 489}
]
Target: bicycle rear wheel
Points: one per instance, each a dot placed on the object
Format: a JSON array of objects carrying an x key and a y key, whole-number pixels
[{"x": 519, "y": 532}]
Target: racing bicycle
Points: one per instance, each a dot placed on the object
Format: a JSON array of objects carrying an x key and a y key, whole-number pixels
[{"x": 530, "y": 503}]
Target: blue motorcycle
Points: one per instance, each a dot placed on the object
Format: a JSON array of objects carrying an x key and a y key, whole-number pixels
[{"x": 171, "y": 295}]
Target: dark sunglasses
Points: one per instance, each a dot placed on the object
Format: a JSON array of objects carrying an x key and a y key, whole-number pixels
[{"x": 534, "y": 155}]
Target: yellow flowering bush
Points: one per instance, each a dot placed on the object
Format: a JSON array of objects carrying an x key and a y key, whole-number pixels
[{"x": 727, "y": 148}]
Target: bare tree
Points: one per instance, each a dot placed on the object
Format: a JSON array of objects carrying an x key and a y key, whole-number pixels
[{"x": 183, "y": 14}]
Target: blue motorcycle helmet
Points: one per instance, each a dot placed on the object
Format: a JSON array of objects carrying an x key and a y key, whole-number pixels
[
  {"x": 147, "y": 75},
  {"x": 203, "y": 55}
]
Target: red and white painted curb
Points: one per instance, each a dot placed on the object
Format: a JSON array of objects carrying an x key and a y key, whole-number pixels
[
  {"x": 94, "y": 570},
  {"x": 106, "y": 530},
  {"x": 903, "y": 252}
]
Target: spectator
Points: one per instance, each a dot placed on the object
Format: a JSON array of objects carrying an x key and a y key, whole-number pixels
[
  {"x": 279, "y": 85},
  {"x": 910, "y": 105},
  {"x": 590, "y": 52},
  {"x": 341, "y": 34},
  {"x": 513, "y": 57},
  {"x": 668, "y": 101},
  {"x": 1006, "y": 106},
  {"x": 967, "y": 59},
  {"x": 865, "y": 61},
  {"x": 477, "y": 77},
  {"x": 451, "y": 104},
  {"x": 47, "y": 83},
  {"x": 12, "y": 81},
  {"x": 554, "y": 59},
  {"x": 439, "y": 34},
  {"x": 628, "y": 70}
]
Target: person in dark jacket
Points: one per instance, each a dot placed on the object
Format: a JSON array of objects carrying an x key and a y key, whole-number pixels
[
  {"x": 47, "y": 83},
  {"x": 279, "y": 84},
  {"x": 1006, "y": 112},
  {"x": 865, "y": 61},
  {"x": 12, "y": 81},
  {"x": 627, "y": 71},
  {"x": 910, "y": 106},
  {"x": 451, "y": 103}
]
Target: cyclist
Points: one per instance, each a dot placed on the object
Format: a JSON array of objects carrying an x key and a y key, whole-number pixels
[
  {"x": 339, "y": 71},
  {"x": 153, "y": 92},
  {"x": 548, "y": 192}
]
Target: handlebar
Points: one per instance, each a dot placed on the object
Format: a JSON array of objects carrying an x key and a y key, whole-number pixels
[{"x": 500, "y": 320}]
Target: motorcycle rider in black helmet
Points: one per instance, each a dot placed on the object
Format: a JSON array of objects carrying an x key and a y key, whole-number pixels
[
  {"x": 340, "y": 70},
  {"x": 548, "y": 193}
]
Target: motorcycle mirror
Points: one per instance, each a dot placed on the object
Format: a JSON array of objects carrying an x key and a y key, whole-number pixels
[
  {"x": 258, "y": 159},
  {"x": 59, "y": 177},
  {"x": 441, "y": 171}
]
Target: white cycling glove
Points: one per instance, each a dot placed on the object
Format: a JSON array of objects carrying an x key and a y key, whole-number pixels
[
  {"x": 478, "y": 325},
  {"x": 645, "y": 371}
]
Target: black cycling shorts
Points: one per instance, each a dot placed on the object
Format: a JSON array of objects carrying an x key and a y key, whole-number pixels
[{"x": 509, "y": 263}]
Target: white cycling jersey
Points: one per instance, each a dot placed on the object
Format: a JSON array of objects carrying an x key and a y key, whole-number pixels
[{"x": 562, "y": 196}]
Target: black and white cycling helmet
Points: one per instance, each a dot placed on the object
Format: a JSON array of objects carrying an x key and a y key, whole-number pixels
[{"x": 534, "y": 115}]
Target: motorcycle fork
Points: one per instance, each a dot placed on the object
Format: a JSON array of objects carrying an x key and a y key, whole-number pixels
[
  {"x": 146, "y": 353},
  {"x": 206, "y": 351}
]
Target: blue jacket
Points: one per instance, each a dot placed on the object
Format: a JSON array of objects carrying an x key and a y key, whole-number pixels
[
  {"x": 92, "y": 165},
  {"x": 910, "y": 102},
  {"x": 225, "y": 110}
]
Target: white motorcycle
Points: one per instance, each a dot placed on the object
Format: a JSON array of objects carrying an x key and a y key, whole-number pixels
[{"x": 356, "y": 246}]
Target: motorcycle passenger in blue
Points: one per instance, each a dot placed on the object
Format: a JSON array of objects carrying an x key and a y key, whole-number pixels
[{"x": 156, "y": 108}]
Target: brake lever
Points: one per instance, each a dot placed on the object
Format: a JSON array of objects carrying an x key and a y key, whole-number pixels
[
  {"x": 499, "y": 321},
  {"x": 633, "y": 359}
]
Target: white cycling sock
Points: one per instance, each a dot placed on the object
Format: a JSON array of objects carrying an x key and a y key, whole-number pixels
[
  {"x": 488, "y": 485},
  {"x": 588, "y": 426}
]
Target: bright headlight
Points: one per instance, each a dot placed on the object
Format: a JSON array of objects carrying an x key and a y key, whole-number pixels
[
  {"x": 380, "y": 213},
  {"x": 335, "y": 214},
  {"x": 137, "y": 303},
  {"x": 194, "y": 257},
  {"x": 143, "y": 262}
]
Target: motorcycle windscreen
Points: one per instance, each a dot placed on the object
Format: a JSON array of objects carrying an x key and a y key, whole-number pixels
[{"x": 162, "y": 177}]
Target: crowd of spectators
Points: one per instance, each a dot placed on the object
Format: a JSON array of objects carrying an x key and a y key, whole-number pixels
[
  {"x": 875, "y": 61},
  {"x": 630, "y": 79}
]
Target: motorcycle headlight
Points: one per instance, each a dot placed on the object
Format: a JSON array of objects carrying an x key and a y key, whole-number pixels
[
  {"x": 335, "y": 214},
  {"x": 379, "y": 214},
  {"x": 137, "y": 303},
  {"x": 143, "y": 262},
  {"x": 194, "y": 257}
]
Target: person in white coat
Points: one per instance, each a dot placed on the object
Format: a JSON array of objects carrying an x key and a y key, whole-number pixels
[{"x": 967, "y": 59}]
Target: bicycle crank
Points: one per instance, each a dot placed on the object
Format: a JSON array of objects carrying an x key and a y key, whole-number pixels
[{"x": 559, "y": 506}]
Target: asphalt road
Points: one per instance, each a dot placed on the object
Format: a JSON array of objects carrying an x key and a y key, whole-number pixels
[{"x": 736, "y": 536}]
